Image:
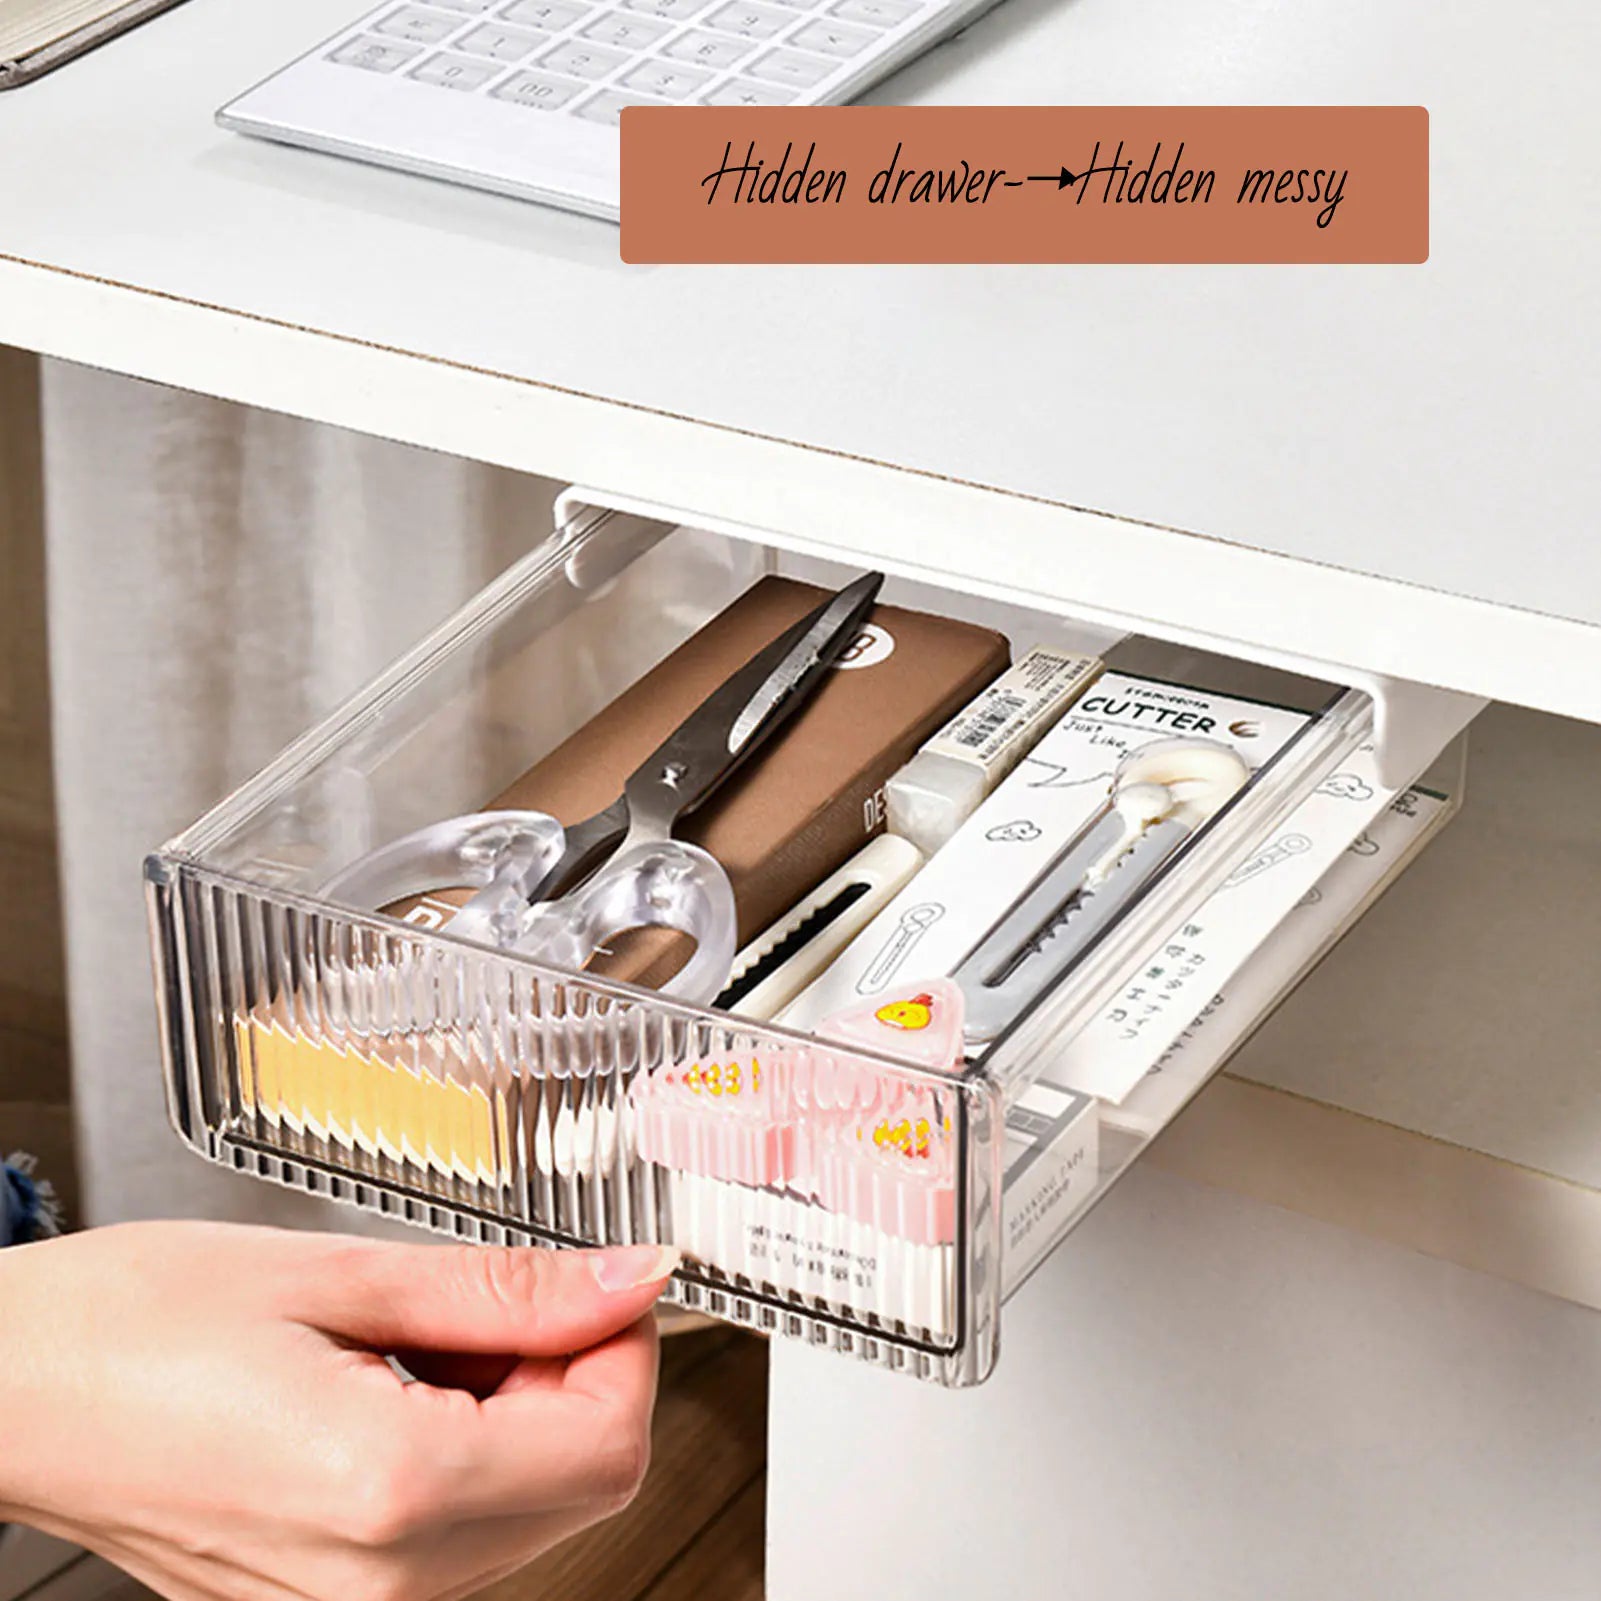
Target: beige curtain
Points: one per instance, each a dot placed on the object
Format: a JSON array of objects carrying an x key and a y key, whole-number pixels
[{"x": 218, "y": 577}]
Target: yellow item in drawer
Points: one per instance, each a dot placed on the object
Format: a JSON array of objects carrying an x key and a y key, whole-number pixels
[{"x": 421, "y": 1106}]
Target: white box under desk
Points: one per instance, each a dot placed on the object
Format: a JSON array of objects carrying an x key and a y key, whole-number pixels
[{"x": 258, "y": 971}]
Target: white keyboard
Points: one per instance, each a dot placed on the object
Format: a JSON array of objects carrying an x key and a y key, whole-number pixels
[{"x": 446, "y": 87}]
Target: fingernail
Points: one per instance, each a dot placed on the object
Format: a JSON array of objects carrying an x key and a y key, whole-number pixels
[{"x": 630, "y": 1267}]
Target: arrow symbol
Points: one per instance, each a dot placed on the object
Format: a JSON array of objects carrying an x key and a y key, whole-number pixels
[{"x": 1061, "y": 179}]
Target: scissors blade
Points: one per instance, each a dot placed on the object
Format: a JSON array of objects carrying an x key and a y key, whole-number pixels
[
  {"x": 586, "y": 844},
  {"x": 824, "y": 635},
  {"x": 727, "y": 729},
  {"x": 721, "y": 734}
]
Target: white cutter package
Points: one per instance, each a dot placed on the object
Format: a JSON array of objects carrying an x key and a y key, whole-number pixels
[
  {"x": 392, "y": 1065},
  {"x": 999, "y": 882}
]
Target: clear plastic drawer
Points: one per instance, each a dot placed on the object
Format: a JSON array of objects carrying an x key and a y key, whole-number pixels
[{"x": 819, "y": 1191}]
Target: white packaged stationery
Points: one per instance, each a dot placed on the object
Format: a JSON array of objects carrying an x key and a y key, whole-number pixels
[
  {"x": 1017, "y": 835},
  {"x": 943, "y": 784}
]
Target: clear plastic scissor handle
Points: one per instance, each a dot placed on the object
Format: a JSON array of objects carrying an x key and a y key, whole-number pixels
[
  {"x": 504, "y": 856},
  {"x": 650, "y": 884}
]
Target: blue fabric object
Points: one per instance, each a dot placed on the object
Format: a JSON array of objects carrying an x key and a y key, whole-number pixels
[
  {"x": 27, "y": 1209},
  {"x": 14, "y": 1196}
]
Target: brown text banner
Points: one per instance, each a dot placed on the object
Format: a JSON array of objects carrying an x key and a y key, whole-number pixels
[{"x": 1025, "y": 183}]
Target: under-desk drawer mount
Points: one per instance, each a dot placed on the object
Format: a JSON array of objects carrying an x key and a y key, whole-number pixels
[{"x": 823, "y": 1182}]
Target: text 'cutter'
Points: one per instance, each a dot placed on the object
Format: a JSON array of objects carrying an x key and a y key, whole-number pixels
[
  {"x": 1160, "y": 794},
  {"x": 560, "y": 894}
]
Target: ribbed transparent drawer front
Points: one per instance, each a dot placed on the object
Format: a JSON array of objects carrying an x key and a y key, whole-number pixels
[{"x": 474, "y": 1092}]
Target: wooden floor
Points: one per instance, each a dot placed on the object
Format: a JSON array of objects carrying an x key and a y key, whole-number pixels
[{"x": 696, "y": 1531}]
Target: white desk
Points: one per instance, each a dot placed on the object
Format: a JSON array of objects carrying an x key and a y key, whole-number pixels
[
  {"x": 1402, "y": 437},
  {"x": 1393, "y": 468}
]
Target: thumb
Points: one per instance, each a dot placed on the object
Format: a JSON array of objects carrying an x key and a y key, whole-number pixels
[{"x": 501, "y": 1300}]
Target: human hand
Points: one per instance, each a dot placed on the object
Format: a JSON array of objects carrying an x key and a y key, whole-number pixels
[{"x": 209, "y": 1406}]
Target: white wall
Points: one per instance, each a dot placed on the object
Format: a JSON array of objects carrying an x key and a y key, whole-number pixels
[{"x": 1205, "y": 1398}]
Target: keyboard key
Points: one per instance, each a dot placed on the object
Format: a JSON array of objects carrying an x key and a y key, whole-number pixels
[
  {"x": 376, "y": 55},
  {"x": 745, "y": 92},
  {"x": 876, "y": 13},
  {"x": 537, "y": 90},
  {"x": 501, "y": 44},
  {"x": 706, "y": 49},
  {"x": 792, "y": 67},
  {"x": 475, "y": 7},
  {"x": 675, "y": 10},
  {"x": 454, "y": 72},
  {"x": 634, "y": 33},
  {"x": 551, "y": 15},
  {"x": 583, "y": 60},
  {"x": 412, "y": 22},
  {"x": 800, "y": 5},
  {"x": 749, "y": 21},
  {"x": 833, "y": 39},
  {"x": 666, "y": 78},
  {"x": 608, "y": 105}
]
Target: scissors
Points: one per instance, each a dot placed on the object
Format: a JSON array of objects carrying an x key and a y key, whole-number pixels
[{"x": 561, "y": 893}]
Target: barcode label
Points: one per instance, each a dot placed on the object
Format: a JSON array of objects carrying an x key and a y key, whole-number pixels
[
  {"x": 1001, "y": 726},
  {"x": 990, "y": 719}
]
